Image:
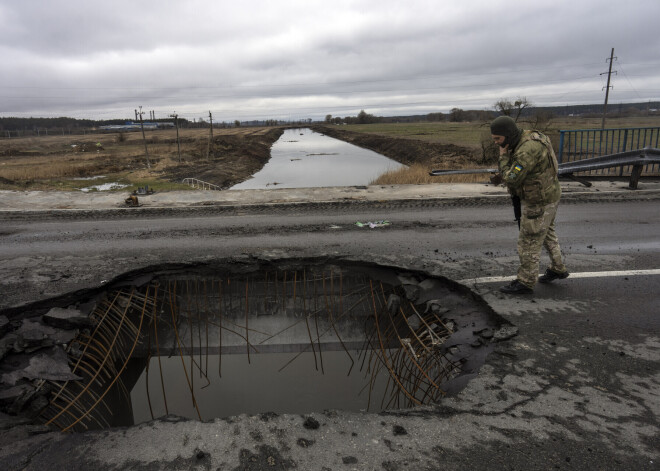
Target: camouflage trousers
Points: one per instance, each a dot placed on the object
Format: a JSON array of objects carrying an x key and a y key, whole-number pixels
[{"x": 537, "y": 230}]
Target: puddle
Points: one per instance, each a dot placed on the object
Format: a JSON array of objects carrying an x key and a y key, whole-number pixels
[
  {"x": 266, "y": 383},
  {"x": 207, "y": 342}
]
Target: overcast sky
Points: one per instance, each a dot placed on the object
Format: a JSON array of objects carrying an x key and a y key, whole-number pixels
[{"x": 293, "y": 59}]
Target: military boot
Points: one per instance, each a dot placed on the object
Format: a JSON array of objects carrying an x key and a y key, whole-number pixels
[
  {"x": 551, "y": 275},
  {"x": 516, "y": 287}
]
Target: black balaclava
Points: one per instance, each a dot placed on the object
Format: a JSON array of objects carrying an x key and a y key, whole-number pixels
[{"x": 505, "y": 126}]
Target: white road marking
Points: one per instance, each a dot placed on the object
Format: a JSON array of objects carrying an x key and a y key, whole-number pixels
[{"x": 585, "y": 274}]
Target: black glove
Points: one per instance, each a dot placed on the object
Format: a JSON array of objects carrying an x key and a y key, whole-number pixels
[{"x": 496, "y": 179}]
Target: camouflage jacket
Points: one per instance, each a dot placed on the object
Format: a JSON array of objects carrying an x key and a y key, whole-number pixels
[{"x": 530, "y": 170}]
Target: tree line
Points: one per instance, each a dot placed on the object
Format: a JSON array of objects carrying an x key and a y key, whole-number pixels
[
  {"x": 520, "y": 109},
  {"x": 70, "y": 124}
]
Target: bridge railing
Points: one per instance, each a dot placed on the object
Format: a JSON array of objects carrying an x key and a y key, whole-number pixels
[
  {"x": 581, "y": 144},
  {"x": 637, "y": 160},
  {"x": 200, "y": 185}
]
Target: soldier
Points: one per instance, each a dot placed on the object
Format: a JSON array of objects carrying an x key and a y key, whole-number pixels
[{"x": 528, "y": 168}]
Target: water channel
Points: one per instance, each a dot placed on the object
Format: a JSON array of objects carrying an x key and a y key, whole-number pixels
[{"x": 302, "y": 158}]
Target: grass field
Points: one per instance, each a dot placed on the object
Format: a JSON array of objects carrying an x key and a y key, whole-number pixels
[
  {"x": 461, "y": 134},
  {"x": 470, "y": 134}
]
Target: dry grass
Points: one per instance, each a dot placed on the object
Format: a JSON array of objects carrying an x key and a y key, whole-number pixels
[
  {"x": 43, "y": 168},
  {"x": 418, "y": 174},
  {"x": 54, "y": 161}
]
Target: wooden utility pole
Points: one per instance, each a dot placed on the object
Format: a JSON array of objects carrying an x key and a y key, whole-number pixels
[
  {"x": 208, "y": 150},
  {"x": 176, "y": 125},
  {"x": 144, "y": 139},
  {"x": 607, "y": 88}
]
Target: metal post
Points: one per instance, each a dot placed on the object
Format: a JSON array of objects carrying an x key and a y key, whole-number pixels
[
  {"x": 622, "y": 149},
  {"x": 634, "y": 176}
]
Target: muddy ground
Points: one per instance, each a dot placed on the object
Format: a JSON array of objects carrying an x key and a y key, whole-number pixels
[
  {"x": 407, "y": 151},
  {"x": 233, "y": 159}
]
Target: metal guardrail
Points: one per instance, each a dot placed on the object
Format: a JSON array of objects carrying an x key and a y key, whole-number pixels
[
  {"x": 639, "y": 157},
  {"x": 580, "y": 144},
  {"x": 200, "y": 185},
  {"x": 635, "y": 158}
]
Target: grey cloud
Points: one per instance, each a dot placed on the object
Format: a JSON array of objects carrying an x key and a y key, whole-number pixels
[{"x": 309, "y": 58}]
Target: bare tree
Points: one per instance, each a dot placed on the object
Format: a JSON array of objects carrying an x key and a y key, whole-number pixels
[{"x": 512, "y": 108}]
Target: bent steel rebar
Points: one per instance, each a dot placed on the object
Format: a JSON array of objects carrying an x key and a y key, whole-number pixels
[{"x": 300, "y": 311}]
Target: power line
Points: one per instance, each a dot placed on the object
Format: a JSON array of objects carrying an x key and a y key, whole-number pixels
[{"x": 628, "y": 80}]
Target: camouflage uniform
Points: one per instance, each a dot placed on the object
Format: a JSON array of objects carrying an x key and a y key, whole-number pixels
[{"x": 529, "y": 170}]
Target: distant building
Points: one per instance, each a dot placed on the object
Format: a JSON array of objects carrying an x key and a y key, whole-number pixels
[{"x": 132, "y": 126}]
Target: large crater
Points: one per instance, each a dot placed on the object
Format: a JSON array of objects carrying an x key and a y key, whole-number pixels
[{"x": 234, "y": 337}]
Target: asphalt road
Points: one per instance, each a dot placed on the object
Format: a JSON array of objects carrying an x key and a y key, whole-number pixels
[
  {"x": 576, "y": 389},
  {"x": 471, "y": 242}
]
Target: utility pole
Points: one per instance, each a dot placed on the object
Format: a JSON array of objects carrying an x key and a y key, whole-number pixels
[
  {"x": 176, "y": 125},
  {"x": 208, "y": 151},
  {"x": 607, "y": 88},
  {"x": 144, "y": 139}
]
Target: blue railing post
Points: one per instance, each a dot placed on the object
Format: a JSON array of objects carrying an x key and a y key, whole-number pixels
[{"x": 561, "y": 145}]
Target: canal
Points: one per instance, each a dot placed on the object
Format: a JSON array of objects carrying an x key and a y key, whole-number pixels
[{"x": 303, "y": 158}]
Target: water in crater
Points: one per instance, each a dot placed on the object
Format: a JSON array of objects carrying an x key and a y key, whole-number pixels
[{"x": 257, "y": 337}]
